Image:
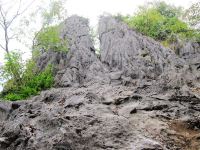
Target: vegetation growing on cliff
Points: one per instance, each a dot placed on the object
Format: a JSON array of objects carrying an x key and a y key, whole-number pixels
[
  {"x": 23, "y": 79},
  {"x": 163, "y": 23},
  {"x": 48, "y": 38}
]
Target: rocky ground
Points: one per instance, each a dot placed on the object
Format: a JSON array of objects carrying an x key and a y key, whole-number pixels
[{"x": 136, "y": 95}]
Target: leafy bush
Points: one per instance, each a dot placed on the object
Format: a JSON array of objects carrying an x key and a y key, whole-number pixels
[
  {"x": 12, "y": 97},
  {"x": 13, "y": 67},
  {"x": 192, "y": 15},
  {"x": 49, "y": 39},
  {"x": 166, "y": 10},
  {"x": 161, "y": 21},
  {"x": 148, "y": 22},
  {"x": 31, "y": 81},
  {"x": 23, "y": 79}
]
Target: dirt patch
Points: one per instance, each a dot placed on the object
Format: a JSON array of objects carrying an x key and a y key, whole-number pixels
[
  {"x": 184, "y": 137},
  {"x": 196, "y": 90}
]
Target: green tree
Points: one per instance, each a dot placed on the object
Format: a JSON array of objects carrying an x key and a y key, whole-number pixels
[
  {"x": 161, "y": 22},
  {"x": 54, "y": 13},
  {"x": 149, "y": 22},
  {"x": 23, "y": 79},
  {"x": 13, "y": 67},
  {"x": 48, "y": 37},
  {"x": 192, "y": 14},
  {"x": 167, "y": 10}
]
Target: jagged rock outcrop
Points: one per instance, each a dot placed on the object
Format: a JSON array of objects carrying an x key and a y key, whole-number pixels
[
  {"x": 135, "y": 55},
  {"x": 128, "y": 99},
  {"x": 56, "y": 59},
  {"x": 82, "y": 63},
  {"x": 190, "y": 52}
]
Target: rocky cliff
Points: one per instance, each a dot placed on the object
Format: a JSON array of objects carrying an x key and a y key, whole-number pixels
[{"x": 137, "y": 95}]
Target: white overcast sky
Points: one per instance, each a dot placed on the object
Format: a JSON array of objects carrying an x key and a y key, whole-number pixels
[{"x": 93, "y": 8}]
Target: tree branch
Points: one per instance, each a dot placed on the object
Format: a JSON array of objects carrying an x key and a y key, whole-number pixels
[
  {"x": 18, "y": 13},
  {"x": 27, "y": 6},
  {"x": 2, "y": 25},
  {"x": 15, "y": 16},
  {"x": 12, "y": 37},
  {"x": 5, "y": 22},
  {"x": 2, "y": 14},
  {"x": 2, "y": 47},
  {"x": 11, "y": 7}
]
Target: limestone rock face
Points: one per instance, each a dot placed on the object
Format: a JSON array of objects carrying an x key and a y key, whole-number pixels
[
  {"x": 190, "y": 52},
  {"x": 140, "y": 60},
  {"x": 137, "y": 95},
  {"x": 5, "y": 109},
  {"x": 135, "y": 55},
  {"x": 82, "y": 63},
  {"x": 56, "y": 59}
]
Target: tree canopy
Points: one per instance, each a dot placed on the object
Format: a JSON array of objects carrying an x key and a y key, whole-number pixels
[
  {"x": 162, "y": 22},
  {"x": 192, "y": 15}
]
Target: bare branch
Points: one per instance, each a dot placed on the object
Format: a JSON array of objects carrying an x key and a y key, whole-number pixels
[
  {"x": 10, "y": 8},
  {"x": 5, "y": 23},
  {"x": 27, "y": 7},
  {"x": 16, "y": 15},
  {"x": 12, "y": 37},
  {"x": 2, "y": 14},
  {"x": 2, "y": 47},
  {"x": 1, "y": 24}
]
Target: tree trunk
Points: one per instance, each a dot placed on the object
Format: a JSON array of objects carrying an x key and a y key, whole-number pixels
[{"x": 6, "y": 40}]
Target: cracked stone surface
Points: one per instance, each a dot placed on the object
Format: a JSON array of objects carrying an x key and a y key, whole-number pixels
[{"x": 137, "y": 95}]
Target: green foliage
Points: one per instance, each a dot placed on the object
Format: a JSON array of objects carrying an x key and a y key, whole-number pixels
[
  {"x": 174, "y": 25},
  {"x": 161, "y": 22},
  {"x": 23, "y": 79},
  {"x": 32, "y": 82},
  {"x": 54, "y": 13},
  {"x": 166, "y": 10},
  {"x": 148, "y": 22},
  {"x": 49, "y": 39},
  {"x": 192, "y": 14},
  {"x": 13, "y": 67},
  {"x": 13, "y": 97}
]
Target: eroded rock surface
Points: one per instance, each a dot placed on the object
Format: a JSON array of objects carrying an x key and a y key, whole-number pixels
[
  {"x": 135, "y": 55},
  {"x": 137, "y": 96},
  {"x": 82, "y": 63}
]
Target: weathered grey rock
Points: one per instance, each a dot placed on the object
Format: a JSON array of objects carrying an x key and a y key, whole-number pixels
[
  {"x": 135, "y": 55},
  {"x": 81, "y": 63},
  {"x": 5, "y": 109},
  {"x": 137, "y": 96},
  {"x": 190, "y": 52},
  {"x": 56, "y": 59}
]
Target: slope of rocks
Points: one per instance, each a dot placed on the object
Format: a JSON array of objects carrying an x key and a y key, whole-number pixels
[{"x": 137, "y": 95}]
